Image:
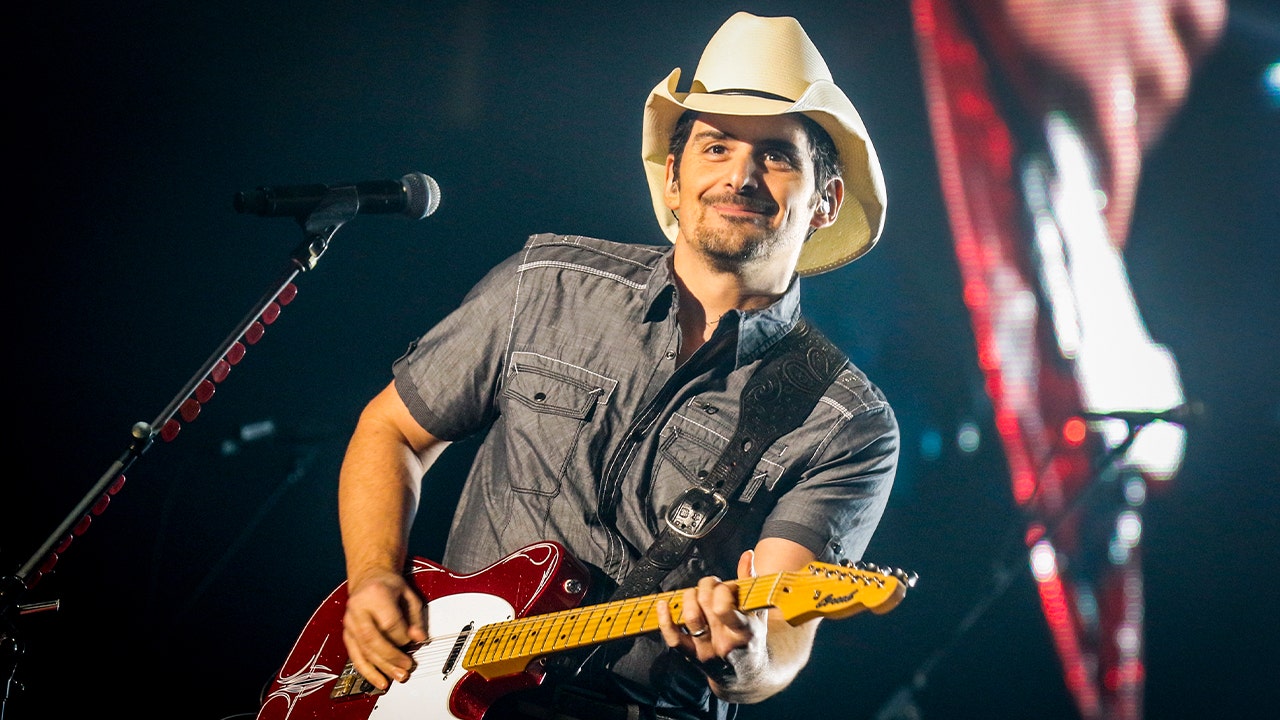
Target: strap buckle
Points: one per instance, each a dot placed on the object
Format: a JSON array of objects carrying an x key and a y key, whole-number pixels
[{"x": 696, "y": 512}]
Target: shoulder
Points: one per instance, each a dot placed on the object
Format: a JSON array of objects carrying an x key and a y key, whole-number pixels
[
  {"x": 590, "y": 256},
  {"x": 854, "y": 392},
  {"x": 851, "y": 391},
  {"x": 854, "y": 404}
]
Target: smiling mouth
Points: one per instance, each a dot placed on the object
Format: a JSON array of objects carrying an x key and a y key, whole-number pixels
[{"x": 737, "y": 207}]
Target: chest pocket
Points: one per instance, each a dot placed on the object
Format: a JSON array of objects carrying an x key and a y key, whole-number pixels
[
  {"x": 690, "y": 447},
  {"x": 550, "y": 404}
]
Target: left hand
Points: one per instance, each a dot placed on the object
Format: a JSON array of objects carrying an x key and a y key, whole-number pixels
[{"x": 712, "y": 626}]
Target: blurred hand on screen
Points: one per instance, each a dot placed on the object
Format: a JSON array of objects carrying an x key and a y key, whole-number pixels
[{"x": 1121, "y": 68}]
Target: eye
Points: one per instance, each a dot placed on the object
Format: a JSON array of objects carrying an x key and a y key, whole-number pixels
[{"x": 777, "y": 158}]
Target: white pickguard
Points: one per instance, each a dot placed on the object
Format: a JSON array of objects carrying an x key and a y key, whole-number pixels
[{"x": 425, "y": 695}]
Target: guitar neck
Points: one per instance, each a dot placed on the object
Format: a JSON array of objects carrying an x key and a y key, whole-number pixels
[{"x": 508, "y": 647}]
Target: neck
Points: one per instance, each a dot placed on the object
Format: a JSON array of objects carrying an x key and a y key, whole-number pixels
[{"x": 707, "y": 293}]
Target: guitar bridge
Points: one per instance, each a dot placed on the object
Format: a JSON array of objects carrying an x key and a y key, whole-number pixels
[{"x": 351, "y": 684}]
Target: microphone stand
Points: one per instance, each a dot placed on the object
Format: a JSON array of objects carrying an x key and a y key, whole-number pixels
[
  {"x": 901, "y": 705},
  {"x": 339, "y": 205}
]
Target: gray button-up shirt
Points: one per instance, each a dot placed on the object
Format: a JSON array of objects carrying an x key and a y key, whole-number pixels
[{"x": 566, "y": 354}]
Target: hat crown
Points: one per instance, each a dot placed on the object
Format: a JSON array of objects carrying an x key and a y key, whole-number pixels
[{"x": 771, "y": 55}]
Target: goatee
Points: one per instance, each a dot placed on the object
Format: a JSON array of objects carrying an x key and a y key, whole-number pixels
[{"x": 743, "y": 241}]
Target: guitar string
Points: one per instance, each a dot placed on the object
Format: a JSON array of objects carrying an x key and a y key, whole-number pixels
[{"x": 442, "y": 646}]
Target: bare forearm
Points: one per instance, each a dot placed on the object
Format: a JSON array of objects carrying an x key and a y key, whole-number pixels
[
  {"x": 379, "y": 486},
  {"x": 376, "y": 504}
]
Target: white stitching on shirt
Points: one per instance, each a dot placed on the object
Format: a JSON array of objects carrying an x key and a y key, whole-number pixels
[
  {"x": 515, "y": 309},
  {"x": 581, "y": 268},
  {"x": 577, "y": 241},
  {"x": 605, "y": 389},
  {"x": 844, "y": 411},
  {"x": 691, "y": 421},
  {"x": 858, "y": 388},
  {"x": 722, "y": 436}
]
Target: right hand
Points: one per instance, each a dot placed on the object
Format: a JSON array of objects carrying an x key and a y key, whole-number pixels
[{"x": 383, "y": 616}]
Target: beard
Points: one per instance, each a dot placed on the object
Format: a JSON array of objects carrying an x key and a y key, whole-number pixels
[{"x": 742, "y": 241}]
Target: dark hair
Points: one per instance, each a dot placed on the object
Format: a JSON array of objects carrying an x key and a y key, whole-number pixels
[{"x": 822, "y": 149}]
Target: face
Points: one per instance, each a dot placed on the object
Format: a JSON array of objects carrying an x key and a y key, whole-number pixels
[{"x": 745, "y": 190}]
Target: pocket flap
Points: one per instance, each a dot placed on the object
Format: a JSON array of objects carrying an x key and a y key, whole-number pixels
[{"x": 552, "y": 386}]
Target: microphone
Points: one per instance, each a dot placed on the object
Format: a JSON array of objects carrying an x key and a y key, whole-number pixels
[
  {"x": 416, "y": 195},
  {"x": 1177, "y": 414}
]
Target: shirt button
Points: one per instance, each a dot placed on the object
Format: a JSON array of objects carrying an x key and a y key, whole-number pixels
[{"x": 671, "y": 355}]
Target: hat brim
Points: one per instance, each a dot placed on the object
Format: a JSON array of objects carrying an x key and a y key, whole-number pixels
[{"x": 858, "y": 224}]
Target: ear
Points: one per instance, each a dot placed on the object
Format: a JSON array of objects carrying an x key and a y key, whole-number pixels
[
  {"x": 671, "y": 186},
  {"x": 828, "y": 204}
]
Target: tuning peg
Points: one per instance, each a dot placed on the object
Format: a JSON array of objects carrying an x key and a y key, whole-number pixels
[
  {"x": 909, "y": 578},
  {"x": 870, "y": 567}
]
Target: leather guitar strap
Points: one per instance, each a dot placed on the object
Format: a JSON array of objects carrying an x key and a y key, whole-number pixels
[{"x": 781, "y": 393}]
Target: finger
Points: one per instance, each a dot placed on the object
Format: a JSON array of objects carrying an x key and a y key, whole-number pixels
[
  {"x": 718, "y": 601},
  {"x": 416, "y": 612},
  {"x": 692, "y": 616},
  {"x": 386, "y": 656},
  {"x": 1121, "y": 151},
  {"x": 377, "y": 637},
  {"x": 671, "y": 634},
  {"x": 730, "y": 627},
  {"x": 1161, "y": 65},
  {"x": 361, "y": 661},
  {"x": 747, "y": 564},
  {"x": 1200, "y": 23}
]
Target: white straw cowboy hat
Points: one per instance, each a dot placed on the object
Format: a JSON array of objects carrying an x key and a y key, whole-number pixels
[{"x": 769, "y": 66}]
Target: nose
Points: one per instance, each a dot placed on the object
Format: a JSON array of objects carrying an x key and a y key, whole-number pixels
[{"x": 744, "y": 171}]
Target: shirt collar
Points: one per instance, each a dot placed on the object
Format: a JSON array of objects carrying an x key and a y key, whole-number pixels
[
  {"x": 759, "y": 329},
  {"x": 660, "y": 289}
]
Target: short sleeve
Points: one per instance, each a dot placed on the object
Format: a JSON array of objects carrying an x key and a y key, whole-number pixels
[
  {"x": 449, "y": 377},
  {"x": 836, "y": 504}
]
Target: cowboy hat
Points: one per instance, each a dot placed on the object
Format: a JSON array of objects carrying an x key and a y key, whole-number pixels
[{"x": 769, "y": 66}]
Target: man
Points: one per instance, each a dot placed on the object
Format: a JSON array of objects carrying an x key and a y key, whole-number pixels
[{"x": 609, "y": 377}]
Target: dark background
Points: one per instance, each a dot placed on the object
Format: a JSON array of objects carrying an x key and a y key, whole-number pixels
[{"x": 136, "y": 123}]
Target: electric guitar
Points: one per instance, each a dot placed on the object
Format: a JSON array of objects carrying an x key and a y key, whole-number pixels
[{"x": 489, "y": 633}]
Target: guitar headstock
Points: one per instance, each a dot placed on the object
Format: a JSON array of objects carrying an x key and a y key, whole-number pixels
[{"x": 838, "y": 591}]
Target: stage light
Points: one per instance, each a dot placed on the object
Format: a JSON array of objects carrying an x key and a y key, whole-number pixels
[
  {"x": 1271, "y": 84},
  {"x": 968, "y": 437}
]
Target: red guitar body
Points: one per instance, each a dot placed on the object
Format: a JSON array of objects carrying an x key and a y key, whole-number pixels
[
  {"x": 312, "y": 684},
  {"x": 489, "y": 633}
]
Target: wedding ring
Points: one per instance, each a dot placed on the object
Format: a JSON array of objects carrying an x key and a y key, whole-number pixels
[{"x": 698, "y": 633}]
